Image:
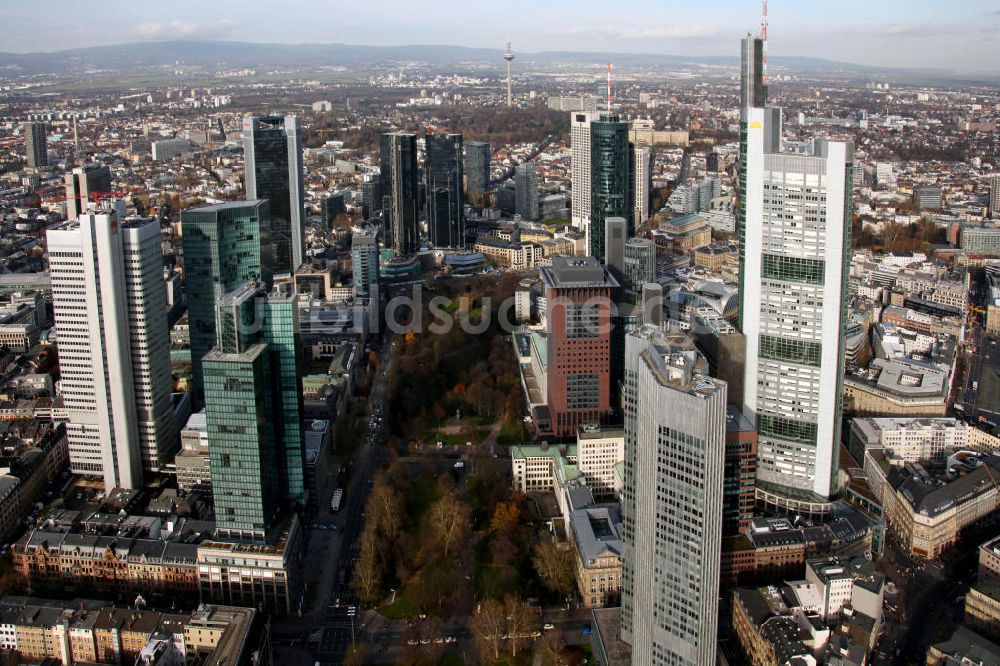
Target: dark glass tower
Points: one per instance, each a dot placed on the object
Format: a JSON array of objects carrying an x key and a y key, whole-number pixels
[
  {"x": 36, "y": 148},
  {"x": 400, "y": 191},
  {"x": 526, "y": 191},
  {"x": 753, "y": 90},
  {"x": 477, "y": 167},
  {"x": 253, "y": 409},
  {"x": 445, "y": 193},
  {"x": 273, "y": 149},
  {"x": 225, "y": 246},
  {"x": 609, "y": 177}
]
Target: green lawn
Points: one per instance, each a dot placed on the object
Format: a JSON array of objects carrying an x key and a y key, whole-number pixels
[{"x": 403, "y": 608}]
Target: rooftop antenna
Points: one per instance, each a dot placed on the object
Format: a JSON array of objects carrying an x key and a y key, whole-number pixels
[
  {"x": 76, "y": 136},
  {"x": 763, "y": 36},
  {"x": 609, "y": 87},
  {"x": 509, "y": 56}
]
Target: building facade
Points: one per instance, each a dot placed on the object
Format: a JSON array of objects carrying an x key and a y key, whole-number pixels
[
  {"x": 36, "y": 144},
  {"x": 400, "y": 192},
  {"x": 579, "y": 139},
  {"x": 445, "y": 190},
  {"x": 82, "y": 184},
  {"x": 609, "y": 179},
  {"x": 526, "y": 191},
  {"x": 477, "y": 167},
  {"x": 795, "y": 236},
  {"x": 114, "y": 346},
  {"x": 272, "y": 146}
]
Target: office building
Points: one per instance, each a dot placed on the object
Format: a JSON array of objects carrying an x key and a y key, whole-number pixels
[
  {"x": 477, "y": 167},
  {"x": 81, "y": 186},
  {"x": 753, "y": 85},
  {"x": 578, "y": 314},
  {"x": 641, "y": 174},
  {"x": 609, "y": 178},
  {"x": 253, "y": 408},
  {"x": 168, "y": 149},
  {"x": 225, "y": 245},
  {"x": 526, "y": 191},
  {"x": 640, "y": 267},
  {"x": 795, "y": 232},
  {"x": 579, "y": 149},
  {"x": 445, "y": 191},
  {"x": 927, "y": 197},
  {"x": 114, "y": 346},
  {"x": 364, "y": 264},
  {"x": 371, "y": 198},
  {"x": 36, "y": 144},
  {"x": 400, "y": 191},
  {"x": 739, "y": 484},
  {"x": 272, "y": 146},
  {"x": 675, "y": 427},
  {"x": 330, "y": 208}
]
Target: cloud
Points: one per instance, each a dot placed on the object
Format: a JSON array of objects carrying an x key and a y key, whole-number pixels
[
  {"x": 186, "y": 29},
  {"x": 639, "y": 34}
]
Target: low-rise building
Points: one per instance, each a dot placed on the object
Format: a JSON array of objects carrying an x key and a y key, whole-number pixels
[
  {"x": 982, "y": 607},
  {"x": 909, "y": 439},
  {"x": 964, "y": 646},
  {"x": 598, "y": 450},
  {"x": 682, "y": 235},
  {"x": 510, "y": 254},
  {"x": 989, "y": 559},
  {"x": 897, "y": 387},
  {"x": 596, "y": 533}
]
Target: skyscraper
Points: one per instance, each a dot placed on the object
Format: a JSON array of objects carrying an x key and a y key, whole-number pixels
[
  {"x": 371, "y": 198},
  {"x": 225, "y": 246},
  {"x": 82, "y": 184},
  {"x": 114, "y": 345},
  {"x": 675, "y": 426},
  {"x": 579, "y": 148},
  {"x": 640, "y": 267},
  {"x": 609, "y": 177},
  {"x": 364, "y": 264},
  {"x": 526, "y": 191},
  {"x": 578, "y": 296},
  {"x": 331, "y": 207},
  {"x": 36, "y": 146},
  {"x": 477, "y": 167},
  {"x": 400, "y": 191},
  {"x": 641, "y": 175},
  {"x": 753, "y": 88},
  {"x": 273, "y": 150},
  {"x": 795, "y": 231},
  {"x": 253, "y": 407},
  {"x": 445, "y": 191},
  {"x": 994, "y": 183}
]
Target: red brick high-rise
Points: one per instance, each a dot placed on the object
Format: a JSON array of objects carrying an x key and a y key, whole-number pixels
[{"x": 578, "y": 312}]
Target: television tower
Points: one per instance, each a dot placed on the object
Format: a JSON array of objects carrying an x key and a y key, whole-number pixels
[
  {"x": 509, "y": 56},
  {"x": 609, "y": 87}
]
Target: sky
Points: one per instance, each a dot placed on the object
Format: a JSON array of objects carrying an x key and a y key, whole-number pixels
[{"x": 951, "y": 34}]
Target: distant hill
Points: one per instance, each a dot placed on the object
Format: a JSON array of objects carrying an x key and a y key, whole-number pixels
[{"x": 143, "y": 56}]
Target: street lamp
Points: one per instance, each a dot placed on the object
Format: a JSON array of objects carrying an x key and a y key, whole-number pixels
[{"x": 393, "y": 597}]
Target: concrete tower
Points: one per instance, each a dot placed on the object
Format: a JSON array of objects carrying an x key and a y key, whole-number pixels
[{"x": 509, "y": 57}]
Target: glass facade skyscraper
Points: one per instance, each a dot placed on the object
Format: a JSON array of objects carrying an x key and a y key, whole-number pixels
[
  {"x": 477, "y": 167},
  {"x": 225, "y": 246},
  {"x": 253, "y": 407},
  {"x": 609, "y": 173},
  {"x": 400, "y": 191},
  {"x": 753, "y": 89},
  {"x": 273, "y": 149},
  {"x": 526, "y": 191},
  {"x": 445, "y": 192}
]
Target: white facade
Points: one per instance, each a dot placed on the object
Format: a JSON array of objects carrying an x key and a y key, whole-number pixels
[
  {"x": 597, "y": 452},
  {"x": 114, "y": 346},
  {"x": 915, "y": 440},
  {"x": 793, "y": 278},
  {"x": 579, "y": 150},
  {"x": 643, "y": 160},
  {"x": 675, "y": 427}
]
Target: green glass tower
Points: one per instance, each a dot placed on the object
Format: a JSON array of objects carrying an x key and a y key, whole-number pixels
[
  {"x": 225, "y": 246},
  {"x": 253, "y": 408},
  {"x": 609, "y": 178}
]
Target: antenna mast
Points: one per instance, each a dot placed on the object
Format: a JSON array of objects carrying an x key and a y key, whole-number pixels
[
  {"x": 609, "y": 87},
  {"x": 763, "y": 36}
]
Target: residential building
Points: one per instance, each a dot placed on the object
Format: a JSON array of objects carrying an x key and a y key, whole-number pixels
[
  {"x": 400, "y": 192},
  {"x": 526, "y": 191},
  {"x": 445, "y": 190},
  {"x": 364, "y": 264},
  {"x": 795, "y": 221},
  {"x": 609, "y": 180},
  {"x": 675, "y": 424},
  {"x": 578, "y": 316},
  {"x": 272, "y": 146},
  {"x": 82, "y": 184},
  {"x": 982, "y": 607},
  {"x": 36, "y": 144},
  {"x": 477, "y": 167},
  {"x": 225, "y": 246},
  {"x": 989, "y": 559},
  {"x": 641, "y": 174},
  {"x": 110, "y": 309},
  {"x": 580, "y": 183}
]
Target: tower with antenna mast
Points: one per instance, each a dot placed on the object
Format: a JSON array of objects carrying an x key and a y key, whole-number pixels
[
  {"x": 609, "y": 87},
  {"x": 509, "y": 57},
  {"x": 763, "y": 38}
]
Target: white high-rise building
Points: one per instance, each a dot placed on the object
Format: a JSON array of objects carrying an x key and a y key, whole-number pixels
[
  {"x": 114, "y": 346},
  {"x": 675, "y": 430},
  {"x": 994, "y": 182},
  {"x": 795, "y": 236},
  {"x": 642, "y": 157},
  {"x": 579, "y": 150}
]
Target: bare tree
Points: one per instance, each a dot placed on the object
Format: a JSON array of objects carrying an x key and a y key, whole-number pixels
[
  {"x": 368, "y": 572},
  {"x": 555, "y": 566},
  {"x": 449, "y": 520},
  {"x": 489, "y": 626},
  {"x": 519, "y": 621}
]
